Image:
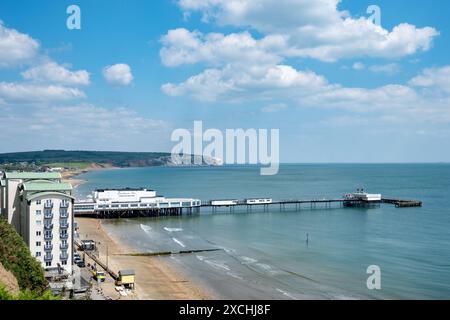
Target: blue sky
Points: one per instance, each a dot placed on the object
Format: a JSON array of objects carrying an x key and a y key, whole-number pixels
[{"x": 339, "y": 88}]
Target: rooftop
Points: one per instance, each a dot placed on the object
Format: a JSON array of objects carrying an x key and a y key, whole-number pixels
[
  {"x": 42, "y": 186},
  {"x": 35, "y": 195},
  {"x": 32, "y": 175},
  {"x": 124, "y": 189},
  {"x": 127, "y": 272}
]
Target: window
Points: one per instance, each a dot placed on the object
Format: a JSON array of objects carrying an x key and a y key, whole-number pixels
[
  {"x": 38, "y": 201},
  {"x": 38, "y": 254},
  {"x": 38, "y": 233},
  {"x": 38, "y": 212},
  {"x": 38, "y": 222},
  {"x": 64, "y": 262},
  {"x": 38, "y": 243},
  {"x": 48, "y": 264}
]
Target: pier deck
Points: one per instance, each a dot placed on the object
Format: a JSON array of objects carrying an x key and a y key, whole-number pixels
[{"x": 296, "y": 204}]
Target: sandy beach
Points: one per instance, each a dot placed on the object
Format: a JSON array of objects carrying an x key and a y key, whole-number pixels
[{"x": 155, "y": 279}]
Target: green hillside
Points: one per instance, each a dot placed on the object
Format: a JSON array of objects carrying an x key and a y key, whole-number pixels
[
  {"x": 79, "y": 158},
  {"x": 16, "y": 258}
]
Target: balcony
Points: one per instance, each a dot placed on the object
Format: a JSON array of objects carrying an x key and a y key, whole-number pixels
[
  {"x": 48, "y": 215},
  {"x": 48, "y": 205},
  {"x": 64, "y": 256},
  {"x": 48, "y": 236},
  {"x": 48, "y": 226},
  {"x": 48, "y": 247},
  {"x": 64, "y": 225},
  {"x": 64, "y": 246},
  {"x": 63, "y": 214},
  {"x": 48, "y": 257},
  {"x": 64, "y": 204},
  {"x": 64, "y": 236}
]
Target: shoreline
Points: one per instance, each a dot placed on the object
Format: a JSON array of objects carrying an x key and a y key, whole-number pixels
[
  {"x": 70, "y": 176},
  {"x": 155, "y": 279}
]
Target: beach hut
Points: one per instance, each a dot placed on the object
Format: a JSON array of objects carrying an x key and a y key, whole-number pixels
[{"x": 126, "y": 278}]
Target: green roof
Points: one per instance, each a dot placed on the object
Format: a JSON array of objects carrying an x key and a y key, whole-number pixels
[
  {"x": 42, "y": 186},
  {"x": 45, "y": 194},
  {"x": 32, "y": 175}
]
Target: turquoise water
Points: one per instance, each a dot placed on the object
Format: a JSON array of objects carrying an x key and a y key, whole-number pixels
[{"x": 265, "y": 254}]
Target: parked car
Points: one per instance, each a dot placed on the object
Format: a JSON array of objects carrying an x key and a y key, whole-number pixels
[{"x": 81, "y": 264}]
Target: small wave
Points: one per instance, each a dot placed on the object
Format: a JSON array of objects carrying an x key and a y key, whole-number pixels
[
  {"x": 247, "y": 260},
  {"x": 146, "y": 228},
  {"x": 217, "y": 265},
  {"x": 264, "y": 266},
  {"x": 287, "y": 294},
  {"x": 179, "y": 242},
  {"x": 173, "y": 229},
  {"x": 227, "y": 250},
  {"x": 231, "y": 274}
]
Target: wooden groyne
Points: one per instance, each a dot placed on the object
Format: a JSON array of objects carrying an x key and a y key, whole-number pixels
[{"x": 166, "y": 253}]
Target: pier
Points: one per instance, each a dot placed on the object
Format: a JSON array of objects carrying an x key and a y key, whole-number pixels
[
  {"x": 403, "y": 203},
  {"x": 179, "y": 207}
]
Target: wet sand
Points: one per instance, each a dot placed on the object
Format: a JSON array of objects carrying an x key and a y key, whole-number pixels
[{"x": 155, "y": 279}]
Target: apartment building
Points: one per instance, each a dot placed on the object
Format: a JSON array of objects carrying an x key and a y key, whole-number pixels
[
  {"x": 12, "y": 181},
  {"x": 40, "y": 207}
]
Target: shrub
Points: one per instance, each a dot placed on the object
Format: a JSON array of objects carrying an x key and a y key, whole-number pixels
[{"x": 15, "y": 257}]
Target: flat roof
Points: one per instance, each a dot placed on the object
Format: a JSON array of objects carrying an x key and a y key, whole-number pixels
[
  {"x": 124, "y": 189},
  {"x": 42, "y": 186},
  {"x": 32, "y": 175}
]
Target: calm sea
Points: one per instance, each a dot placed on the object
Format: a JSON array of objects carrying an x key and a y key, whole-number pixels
[{"x": 264, "y": 255}]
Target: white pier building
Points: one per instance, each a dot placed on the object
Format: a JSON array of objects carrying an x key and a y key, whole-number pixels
[{"x": 132, "y": 202}]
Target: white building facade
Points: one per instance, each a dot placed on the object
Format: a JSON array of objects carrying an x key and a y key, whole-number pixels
[{"x": 40, "y": 207}]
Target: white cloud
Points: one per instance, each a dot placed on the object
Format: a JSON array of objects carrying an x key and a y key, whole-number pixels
[
  {"x": 118, "y": 74},
  {"x": 84, "y": 126},
  {"x": 11, "y": 92},
  {"x": 359, "y": 38},
  {"x": 358, "y": 66},
  {"x": 438, "y": 78},
  {"x": 274, "y": 108},
  {"x": 240, "y": 83},
  {"x": 53, "y": 72},
  {"x": 264, "y": 15},
  {"x": 15, "y": 47},
  {"x": 240, "y": 66},
  {"x": 316, "y": 29},
  {"x": 387, "y": 98},
  {"x": 184, "y": 47},
  {"x": 389, "y": 69}
]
